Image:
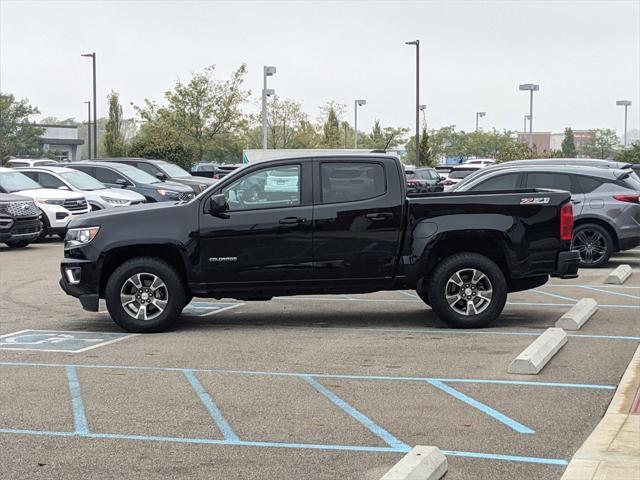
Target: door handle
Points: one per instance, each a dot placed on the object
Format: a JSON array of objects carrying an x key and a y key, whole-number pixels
[
  {"x": 576, "y": 202},
  {"x": 292, "y": 221},
  {"x": 379, "y": 216}
]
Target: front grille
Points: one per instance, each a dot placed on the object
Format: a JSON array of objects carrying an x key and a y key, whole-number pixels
[
  {"x": 22, "y": 227},
  {"x": 20, "y": 209},
  {"x": 185, "y": 197},
  {"x": 79, "y": 205}
]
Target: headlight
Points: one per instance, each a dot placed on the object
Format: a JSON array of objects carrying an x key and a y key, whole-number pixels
[
  {"x": 49, "y": 201},
  {"x": 168, "y": 193},
  {"x": 115, "y": 201},
  {"x": 76, "y": 237}
]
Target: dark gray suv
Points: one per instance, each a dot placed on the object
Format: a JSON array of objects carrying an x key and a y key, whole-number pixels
[{"x": 605, "y": 202}]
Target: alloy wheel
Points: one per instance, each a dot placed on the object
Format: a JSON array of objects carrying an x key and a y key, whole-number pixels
[
  {"x": 144, "y": 296},
  {"x": 591, "y": 245},
  {"x": 468, "y": 292}
]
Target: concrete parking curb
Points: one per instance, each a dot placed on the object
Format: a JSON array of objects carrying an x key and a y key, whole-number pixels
[
  {"x": 542, "y": 349},
  {"x": 578, "y": 314},
  {"x": 612, "y": 451},
  {"x": 421, "y": 463},
  {"x": 620, "y": 274}
]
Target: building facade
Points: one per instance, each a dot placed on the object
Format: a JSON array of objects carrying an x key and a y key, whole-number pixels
[{"x": 62, "y": 141}]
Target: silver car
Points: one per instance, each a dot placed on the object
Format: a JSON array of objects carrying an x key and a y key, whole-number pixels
[
  {"x": 606, "y": 202},
  {"x": 98, "y": 195}
]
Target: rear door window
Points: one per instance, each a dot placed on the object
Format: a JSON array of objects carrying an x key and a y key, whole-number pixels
[
  {"x": 147, "y": 167},
  {"x": 351, "y": 182},
  {"x": 586, "y": 184},
  {"x": 556, "y": 181}
]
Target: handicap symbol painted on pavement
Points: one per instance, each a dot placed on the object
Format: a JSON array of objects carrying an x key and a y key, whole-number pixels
[
  {"x": 58, "y": 340},
  {"x": 201, "y": 309}
]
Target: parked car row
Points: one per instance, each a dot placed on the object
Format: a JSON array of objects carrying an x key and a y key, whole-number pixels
[
  {"x": 213, "y": 170},
  {"x": 59, "y": 191}
]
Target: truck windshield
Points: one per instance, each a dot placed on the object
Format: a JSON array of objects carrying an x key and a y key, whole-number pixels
[{"x": 16, "y": 182}]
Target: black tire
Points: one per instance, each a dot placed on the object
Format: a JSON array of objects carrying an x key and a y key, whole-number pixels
[
  {"x": 18, "y": 243},
  {"x": 45, "y": 228},
  {"x": 596, "y": 236},
  {"x": 175, "y": 293},
  {"x": 489, "y": 309}
]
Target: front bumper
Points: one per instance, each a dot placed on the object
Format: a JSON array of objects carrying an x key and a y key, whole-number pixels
[
  {"x": 81, "y": 279},
  {"x": 567, "y": 264}
]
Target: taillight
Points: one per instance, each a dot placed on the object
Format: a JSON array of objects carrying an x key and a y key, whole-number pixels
[
  {"x": 216, "y": 177},
  {"x": 412, "y": 182},
  {"x": 566, "y": 222},
  {"x": 628, "y": 198},
  {"x": 448, "y": 182}
]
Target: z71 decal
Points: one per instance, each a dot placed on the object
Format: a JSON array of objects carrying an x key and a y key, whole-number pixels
[{"x": 534, "y": 200}]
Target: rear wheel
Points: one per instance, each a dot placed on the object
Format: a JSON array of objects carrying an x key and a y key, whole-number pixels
[
  {"x": 145, "y": 294},
  {"x": 467, "y": 290},
  {"x": 594, "y": 244}
]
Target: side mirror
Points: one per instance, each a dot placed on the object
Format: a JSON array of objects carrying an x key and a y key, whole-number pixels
[
  {"x": 122, "y": 182},
  {"x": 218, "y": 205},
  {"x": 161, "y": 176}
]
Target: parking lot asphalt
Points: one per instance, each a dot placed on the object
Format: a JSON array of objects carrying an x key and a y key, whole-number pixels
[{"x": 328, "y": 387}]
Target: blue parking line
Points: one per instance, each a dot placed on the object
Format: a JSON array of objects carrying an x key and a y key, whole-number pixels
[
  {"x": 408, "y": 294},
  {"x": 554, "y": 295},
  {"x": 376, "y": 429},
  {"x": 211, "y": 407},
  {"x": 635, "y": 297},
  {"x": 79, "y": 417},
  {"x": 508, "y": 458},
  {"x": 312, "y": 446},
  {"x": 317, "y": 375},
  {"x": 511, "y": 423}
]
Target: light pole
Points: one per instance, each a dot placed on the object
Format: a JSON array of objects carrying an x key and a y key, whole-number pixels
[
  {"x": 417, "y": 44},
  {"x": 423, "y": 109},
  {"x": 479, "y": 115},
  {"x": 266, "y": 92},
  {"x": 95, "y": 115},
  {"x": 356, "y": 104},
  {"x": 626, "y": 104},
  {"x": 89, "y": 125},
  {"x": 531, "y": 87}
]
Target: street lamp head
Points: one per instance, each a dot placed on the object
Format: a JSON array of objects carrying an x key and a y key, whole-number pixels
[
  {"x": 361, "y": 102},
  {"x": 88, "y": 54},
  {"x": 529, "y": 86},
  {"x": 415, "y": 42},
  {"x": 269, "y": 92},
  {"x": 423, "y": 108},
  {"x": 269, "y": 71},
  {"x": 528, "y": 117},
  {"x": 88, "y": 101},
  {"x": 624, "y": 103},
  {"x": 482, "y": 114}
]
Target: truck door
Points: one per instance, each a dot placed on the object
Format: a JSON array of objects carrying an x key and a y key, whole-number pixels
[
  {"x": 266, "y": 236},
  {"x": 358, "y": 208}
]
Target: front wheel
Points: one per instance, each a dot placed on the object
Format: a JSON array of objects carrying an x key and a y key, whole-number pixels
[
  {"x": 144, "y": 295},
  {"x": 467, "y": 290}
]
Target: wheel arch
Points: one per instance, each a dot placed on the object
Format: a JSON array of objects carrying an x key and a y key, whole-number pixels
[
  {"x": 116, "y": 257},
  {"x": 602, "y": 223}
]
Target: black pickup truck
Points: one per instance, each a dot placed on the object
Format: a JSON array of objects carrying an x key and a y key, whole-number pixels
[{"x": 319, "y": 225}]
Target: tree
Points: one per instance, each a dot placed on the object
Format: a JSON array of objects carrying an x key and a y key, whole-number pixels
[
  {"x": 630, "y": 154},
  {"x": 602, "y": 144},
  {"x": 331, "y": 129},
  {"x": 113, "y": 140},
  {"x": 568, "y": 144},
  {"x": 199, "y": 112},
  {"x": 18, "y": 136}
]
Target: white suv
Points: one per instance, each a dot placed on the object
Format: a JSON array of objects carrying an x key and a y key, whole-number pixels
[{"x": 58, "y": 206}]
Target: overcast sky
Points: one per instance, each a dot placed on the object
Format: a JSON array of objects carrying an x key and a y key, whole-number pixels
[{"x": 584, "y": 54}]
